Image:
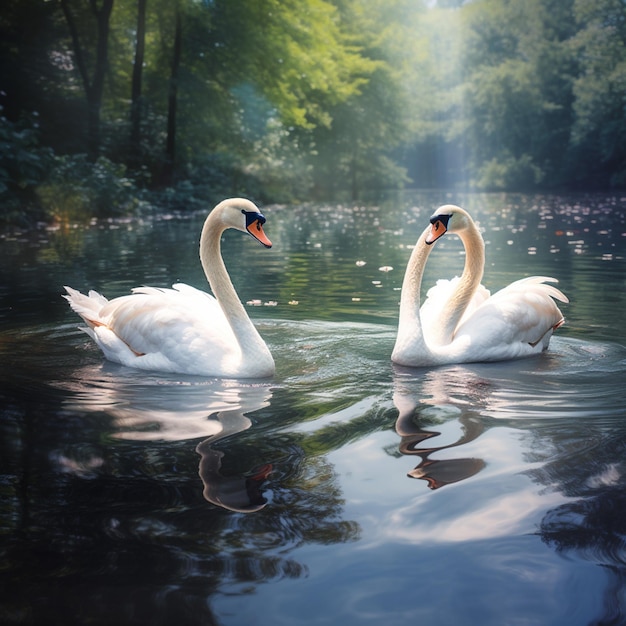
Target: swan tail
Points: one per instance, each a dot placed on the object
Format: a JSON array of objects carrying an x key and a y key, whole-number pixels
[
  {"x": 537, "y": 285},
  {"x": 87, "y": 306}
]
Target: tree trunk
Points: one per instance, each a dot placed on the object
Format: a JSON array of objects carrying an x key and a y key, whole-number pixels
[
  {"x": 94, "y": 88},
  {"x": 167, "y": 177},
  {"x": 135, "y": 107}
]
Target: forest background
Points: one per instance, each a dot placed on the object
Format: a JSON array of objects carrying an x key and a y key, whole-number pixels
[{"x": 110, "y": 107}]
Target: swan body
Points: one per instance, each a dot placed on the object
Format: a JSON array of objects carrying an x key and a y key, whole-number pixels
[
  {"x": 183, "y": 329},
  {"x": 460, "y": 322}
]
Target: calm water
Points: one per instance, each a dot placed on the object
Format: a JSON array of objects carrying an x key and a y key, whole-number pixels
[{"x": 343, "y": 490}]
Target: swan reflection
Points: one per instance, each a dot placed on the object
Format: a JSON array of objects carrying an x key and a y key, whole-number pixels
[
  {"x": 241, "y": 493},
  {"x": 160, "y": 409},
  {"x": 424, "y": 402}
]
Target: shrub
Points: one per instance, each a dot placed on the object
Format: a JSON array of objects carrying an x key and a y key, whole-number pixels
[
  {"x": 78, "y": 189},
  {"x": 23, "y": 165}
]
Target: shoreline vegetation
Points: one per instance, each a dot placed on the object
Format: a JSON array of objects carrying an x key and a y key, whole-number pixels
[{"x": 117, "y": 108}]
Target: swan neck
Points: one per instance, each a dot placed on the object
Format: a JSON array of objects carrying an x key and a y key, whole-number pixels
[
  {"x": 410, "y": 336},
  {"x": 410, "y": 300},
  {"x": 222, "y": 286},
  {"x": 474, "y": 259},
  {"x": 466, "y": 287}
]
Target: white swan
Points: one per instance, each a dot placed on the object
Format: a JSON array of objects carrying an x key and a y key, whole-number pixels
[
  {"x": 183, "y": 329},
  {"x": 460, "y": 322}
]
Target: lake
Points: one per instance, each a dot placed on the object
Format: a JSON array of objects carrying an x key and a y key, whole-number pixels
[{"x": 343, "y": 490}]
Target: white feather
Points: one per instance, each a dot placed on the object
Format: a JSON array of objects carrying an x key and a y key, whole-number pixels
[
  {"x": 460, "y": 322},
  {"x": 182, "y": 329}
]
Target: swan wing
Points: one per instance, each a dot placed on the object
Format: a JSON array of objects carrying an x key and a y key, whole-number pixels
[
  {"x": 181, "y": 329},
  {"x": 516, "y": 321},
  {"x": 182, "y": 324}
]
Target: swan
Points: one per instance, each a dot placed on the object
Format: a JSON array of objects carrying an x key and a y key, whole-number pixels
[
  {"x": 183, "y": 329},
  {"x": 460, "y": 322}
]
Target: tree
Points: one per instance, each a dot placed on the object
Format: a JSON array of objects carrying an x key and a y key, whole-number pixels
[
  {"x": 277, "y": 98},
  {"x": 425, "y": 48},
  {"x": 172, "y": 104},
  {"x": 518, "y": 91},
  {"x": 598, "y": 130},
  {"x": 136, "y": 86},
  {"x": 93, "y": 83},
  {"x": 252, "y": 69},
  {"x": 355, "y": 152}
]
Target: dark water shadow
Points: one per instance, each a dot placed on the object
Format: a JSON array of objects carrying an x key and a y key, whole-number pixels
[{"x": 126, "y": 493}]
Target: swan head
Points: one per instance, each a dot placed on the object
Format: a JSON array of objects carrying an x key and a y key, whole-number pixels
[
  {"x": 243, "y": 215},
  {"x": 448, "y": 219}
]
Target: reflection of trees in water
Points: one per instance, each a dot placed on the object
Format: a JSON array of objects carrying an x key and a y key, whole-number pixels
[
  {"x": 593, "y": 522},
  {"x": 581, "y": 457},
  {"x": 111, "y": 530},
  {"x": 587, "y": 465},
  {"x": 118, "y": 543},
  {"x": 595, "y": 527},
  {"x": 576, "y": 444}
]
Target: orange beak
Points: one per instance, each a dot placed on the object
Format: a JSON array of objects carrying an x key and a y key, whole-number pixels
[
  {"x": 256, "y": 230},
  {"x": 254, "y": 225},
  {"x": 437, "y": 229},
  {"x": 263, "y": 472}
]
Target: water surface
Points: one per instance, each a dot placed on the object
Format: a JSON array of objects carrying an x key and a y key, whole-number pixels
[{"x": 344, "y": 489}]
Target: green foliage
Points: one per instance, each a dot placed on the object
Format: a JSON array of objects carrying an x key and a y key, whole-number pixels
[
  {"x": 278, "y": 164},
  {"x": 517, "y": 92},
  {"x": 599, "y": 129},
  {"x": 356, "y": 153},
  {"x": 24, "y": 163},
  {"x": 289, "y": 99},
  {"x": 508, "y": 172},
  {"x": 78, "y": 189},
  {"x": 298, "y": 54}
]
